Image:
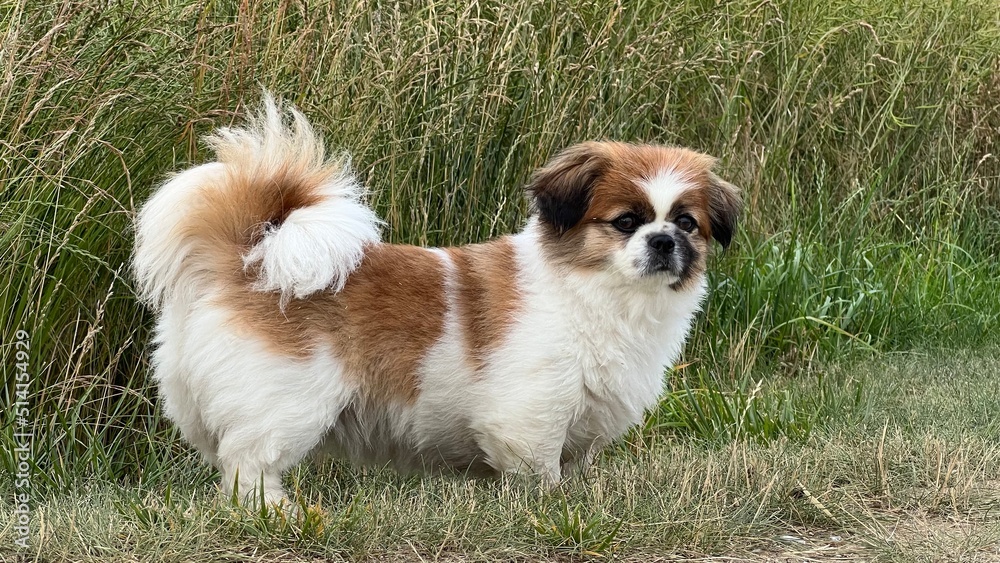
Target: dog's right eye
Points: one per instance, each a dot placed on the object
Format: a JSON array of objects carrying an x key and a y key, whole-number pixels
[{"x": 627, "y": 223}]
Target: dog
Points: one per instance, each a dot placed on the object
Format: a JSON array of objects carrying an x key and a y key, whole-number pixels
[{"x": 286, "y": 327}]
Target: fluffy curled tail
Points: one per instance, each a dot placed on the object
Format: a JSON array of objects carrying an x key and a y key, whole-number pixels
[{"x": 273, "y": 213}]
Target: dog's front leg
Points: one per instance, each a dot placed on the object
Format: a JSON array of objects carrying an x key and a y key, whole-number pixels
[{"x": 536, "y": 453}]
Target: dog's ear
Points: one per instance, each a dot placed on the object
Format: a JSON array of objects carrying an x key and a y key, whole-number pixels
[
  {"x": 562, "y": 189},
  {"x": 724, "y": 206}
]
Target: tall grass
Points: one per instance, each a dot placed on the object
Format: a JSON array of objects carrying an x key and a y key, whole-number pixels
[{"x": 863, "y": 133}]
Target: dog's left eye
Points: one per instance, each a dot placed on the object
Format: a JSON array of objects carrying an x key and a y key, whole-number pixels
[
  {"x": 627, "y": 223},
  {"x": 686, "y": 223}
]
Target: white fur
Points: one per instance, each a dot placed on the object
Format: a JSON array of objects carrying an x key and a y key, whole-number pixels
[
  {"x": 160, "y": 263},
  {"x": 663, "y": 189},
  {"x": 580, "y": 365}
]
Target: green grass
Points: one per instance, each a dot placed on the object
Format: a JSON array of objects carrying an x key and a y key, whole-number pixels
[{"x": 863, "y": 133}]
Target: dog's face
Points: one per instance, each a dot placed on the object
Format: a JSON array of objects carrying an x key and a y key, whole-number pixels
[{"x": 639, "y": 211}]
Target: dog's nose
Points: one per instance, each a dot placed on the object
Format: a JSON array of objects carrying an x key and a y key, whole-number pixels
[{"x": 664, "y": 244}]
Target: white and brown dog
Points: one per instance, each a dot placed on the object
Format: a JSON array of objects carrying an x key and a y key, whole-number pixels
[{"x": 285, "y": 326}]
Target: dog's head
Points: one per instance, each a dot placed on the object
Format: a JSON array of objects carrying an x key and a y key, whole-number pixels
[{"x": 640, "y": 211}]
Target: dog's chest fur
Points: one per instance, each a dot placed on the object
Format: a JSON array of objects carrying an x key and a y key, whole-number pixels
[{"x": 621, "y": 346}]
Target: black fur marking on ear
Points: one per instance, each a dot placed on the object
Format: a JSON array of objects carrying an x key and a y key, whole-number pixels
[
  {"x": 562, "y": 188},
  {"x": 724, "y": 207},
  {"x": 564, "y": 207}
]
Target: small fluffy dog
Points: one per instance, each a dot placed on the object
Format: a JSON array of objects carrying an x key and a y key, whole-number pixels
[{"x": 286, "y": 327}]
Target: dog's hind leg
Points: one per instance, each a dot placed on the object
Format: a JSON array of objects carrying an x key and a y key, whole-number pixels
[
  {"x": 252, "y": 479},
  {"x": 177, "y": 392},
  {"x": 268, "y": 410},
  {"x": 255, "y": 452}
]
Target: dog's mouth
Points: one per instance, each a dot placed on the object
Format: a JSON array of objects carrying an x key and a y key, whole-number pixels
[
  {"x": 663, "y": 265},
  {"x": 674, "y": 267}
]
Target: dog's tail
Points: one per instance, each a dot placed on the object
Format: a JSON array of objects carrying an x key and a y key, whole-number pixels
[{"x": 273, "y": 213}]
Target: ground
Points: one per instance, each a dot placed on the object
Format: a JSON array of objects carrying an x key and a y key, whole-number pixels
[{"x": 906, "y": 468}]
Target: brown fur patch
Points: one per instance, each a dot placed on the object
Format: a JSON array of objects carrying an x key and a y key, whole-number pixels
[
  {"x": 380, "y": 326},
  {"x": 487, "y": 294},
  {"x": 227, "y": 220}
]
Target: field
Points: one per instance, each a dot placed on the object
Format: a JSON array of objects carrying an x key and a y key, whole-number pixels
[{"x": 838, "y": 399}]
